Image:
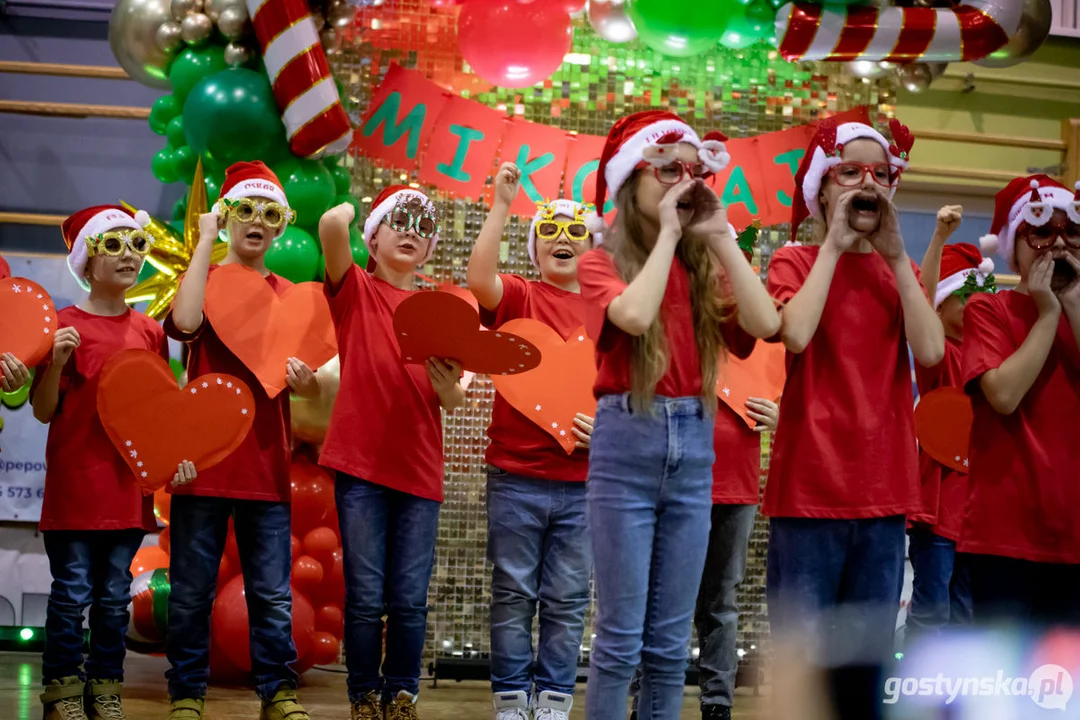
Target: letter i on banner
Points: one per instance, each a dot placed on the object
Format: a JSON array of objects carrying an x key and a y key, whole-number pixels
[
  {"x": 582, "y": 161},
  {"x": 539, "y": 151},
  {"x": 461, "y": 154},
  {"x": 400, "y": 120}
]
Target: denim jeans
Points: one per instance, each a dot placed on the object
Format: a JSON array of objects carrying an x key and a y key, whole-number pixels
[
  {"x": 717, "y": 614},
  {"x": 650, "y": 479},
  {"x": 198, "y": 526},
  {"x": 1011, "y": 591},
  {"x": 389, "y": 542},
  {"x": 941, "y": 590},
  {"x": 836, "y": 584},
  {"x": 90, "y": 568},
  {"x": 539, "y": 550}
]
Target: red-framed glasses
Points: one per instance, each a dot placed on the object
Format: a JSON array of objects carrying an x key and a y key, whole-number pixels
[
  {"x": 1043, "y": 237},
  {"x": 851, "y": 174},
  {"x": 674, "y": 172}
]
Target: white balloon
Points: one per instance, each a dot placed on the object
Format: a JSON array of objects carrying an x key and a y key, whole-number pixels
[{"x": 610, "y": 20}]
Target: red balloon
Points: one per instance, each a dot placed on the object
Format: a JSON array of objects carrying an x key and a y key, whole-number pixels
[
  {"x": 490, "y": 36},
  {"x": 148, "y": 558},
  {"x": 312, "y": 496},
  {"x": 162, "y": 503},
  {"x": 332, "y": 589},
  {"x": 163, "y": 540},
  {"x": 232, "y": 552},
  {"x": 573, "y": 6},
  {"x": 297, "y": 548},
  {"x": 222, "y": 671},
  {"x": 229, "y": 624},
  {"x": 226, "y": 572},
  {"x": 303, "y": 623},
  {"x": 330, "y": 619},
  {"x": 320, "y": 544},
  {"x": 307, "y": 574},
  {"x": 325, "y": 649}
]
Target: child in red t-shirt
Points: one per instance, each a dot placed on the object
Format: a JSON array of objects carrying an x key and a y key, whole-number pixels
[
  {"x": 666, "y": 294},
  {"x": 385, "y": 444},
  {"x": 844, "y": 474},
  {"x": 941, "y": 592},
  {"x": 1021, "y": 366},
  {"x": 536, "y": 492},
  {"x": 94, "y": 514},
  {"x": 251, "y": 485},
  {"x": 5, "y": 269}
]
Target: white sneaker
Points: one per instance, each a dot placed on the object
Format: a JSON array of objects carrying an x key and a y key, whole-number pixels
[
  {"x": 553, "y": 706},
  {"x": 511, "y": 706}
]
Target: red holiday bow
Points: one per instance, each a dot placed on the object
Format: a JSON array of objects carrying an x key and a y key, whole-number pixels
[{"x": 903, "y": 140}]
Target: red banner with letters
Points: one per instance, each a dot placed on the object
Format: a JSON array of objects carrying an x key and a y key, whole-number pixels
[{"x": 456, "y": 144}]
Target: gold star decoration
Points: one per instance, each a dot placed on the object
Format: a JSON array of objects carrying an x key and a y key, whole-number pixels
[{"x": 171, "y": 252}]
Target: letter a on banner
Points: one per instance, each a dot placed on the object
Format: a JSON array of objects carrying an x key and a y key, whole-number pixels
[{"x": 400, "y": 120}]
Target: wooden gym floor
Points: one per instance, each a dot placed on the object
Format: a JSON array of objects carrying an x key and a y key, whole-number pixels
[{"x": 323, "y": 693}]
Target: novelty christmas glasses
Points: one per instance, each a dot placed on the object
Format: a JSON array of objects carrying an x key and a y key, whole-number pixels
[
  {"x": 1043, "y": 237},
  {"x": 265, "y": 212},
  {"x": 575, "y": 230},
  {"x": 851, "y": 174},
  {"x": 113, "y": 242},
  {"x": 413, "y": 214}
]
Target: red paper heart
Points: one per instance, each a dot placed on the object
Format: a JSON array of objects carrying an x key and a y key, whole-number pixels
[
  {"x": 159, "y": 425},
  {"x": 761, "y": 375},
  {"x": 27, "y": 320},
  {"x": 264, "y": 329},
  {"x": 943, "y": 421},
  {"x": 560, "y": 387},
  {"x": 441, "y": 324}
]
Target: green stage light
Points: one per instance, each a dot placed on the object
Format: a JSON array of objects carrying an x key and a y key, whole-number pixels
[{"x": 26, "y": 634}]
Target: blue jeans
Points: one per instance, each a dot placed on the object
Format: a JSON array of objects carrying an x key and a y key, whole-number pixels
[
  {"x": 90, "y": 568},
  {"x": 389, "y": 542},
  {"x": 838, "y": 583},
  {"x": 650, "y": 479},
  {"x": 263, "y": 537},
  {"x": 539, "y": 550},
  {"x": 941, "y": 591}
]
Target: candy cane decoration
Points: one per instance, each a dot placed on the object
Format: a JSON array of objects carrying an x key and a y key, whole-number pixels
[
  {"x": 969, "y": 31},
  {"x": 298, "y": 70}
]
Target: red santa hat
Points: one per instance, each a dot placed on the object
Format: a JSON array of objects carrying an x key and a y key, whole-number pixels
[
  {"x": 569, "y": 208},
  {"x": 384, "y": 203},
  {"x": 5, "y": 270},
  {"x": 94, "y": 221},
  {"x": 958, "y": 262},
  {"x": 253, "y": 179},
  {"x": 825, "y": 152},
  {"x": 651, "y": 136},
  {"x": 1032, "y": 199}
]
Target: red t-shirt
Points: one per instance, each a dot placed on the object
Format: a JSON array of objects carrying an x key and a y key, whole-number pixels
[
  {"x": 518, "y": 445},
  {"x": 737, "y": 470},
  {"x": 5, "y": 269},
  {"x": 847, "y": 427},
  {"x": 600, "y": 284},
  {"x": 386, "y": 426},
  {"x": 944, "y": 491},
  {"x": 88, "y": 486},
  {"x": 259, "y": 468},
  {"x": 1024, "y": 467}
]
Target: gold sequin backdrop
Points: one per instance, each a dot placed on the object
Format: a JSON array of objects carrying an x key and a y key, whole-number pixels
[{"x": 743, "y": 93}]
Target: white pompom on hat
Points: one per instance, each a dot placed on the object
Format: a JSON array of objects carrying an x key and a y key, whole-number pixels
[{"x": 958, "y": 262}]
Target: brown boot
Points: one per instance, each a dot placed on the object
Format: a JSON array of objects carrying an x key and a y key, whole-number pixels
[
  {"x": 402, "y": 707},
  {"x": 368, "y": 707},
  {"x": 63, "y": 699},
  {"x": 105, "y": 700}
]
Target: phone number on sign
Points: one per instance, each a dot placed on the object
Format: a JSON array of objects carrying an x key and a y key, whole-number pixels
[{"x": 16, "y": 492}]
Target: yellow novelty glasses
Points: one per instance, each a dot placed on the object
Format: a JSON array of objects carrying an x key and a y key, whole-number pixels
[
  {"x": 112, "y": 243},
  {"x": 575, "y": 230},
  {"x": 270, "y": 214}
]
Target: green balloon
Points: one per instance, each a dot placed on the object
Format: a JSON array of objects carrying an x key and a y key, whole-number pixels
[
  {"x": 294, "y": 255},
  {"x": 309, "y": 187},
  {"x": 162, "y": 112},
  {"x": 741, "y": 32},
  {"x": 194, "y": 64},
  {"x": 760, "y": 17},
  {"x": 232, "y": 115},
  {"x": 163, "y": 167},
  {"x": 174, "y": 132},
  {"x": 213, "y": 189},
  {"x": 352, "y": 201},
  {"x": 185, "y": 160},
  {"x": 342, "y": 178},
  {"x": 681, "y": 28},
  {"x": 359, "y": 249},
  {"x": 179, "y": 209}
]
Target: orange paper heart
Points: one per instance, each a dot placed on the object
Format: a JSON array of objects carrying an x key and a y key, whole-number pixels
[
  {"x": 761, "y": 375},
  {"x": 264, "y": 329},
  {"x": 443, "y": 325},
  {"x": 560, "y": 387},
  {"x": 27, "y": 320},
  {"x": 155, "y": 425},
  {"x": 943, "y": 421}
]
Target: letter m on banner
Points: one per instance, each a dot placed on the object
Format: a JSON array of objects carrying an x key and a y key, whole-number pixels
[{"x": 399, "y": 121}]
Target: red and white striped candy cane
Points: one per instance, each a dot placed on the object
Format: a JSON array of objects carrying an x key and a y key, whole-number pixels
[
  {"x": 968, "y": 31},
  {"x": 303, "y": 85}
]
